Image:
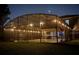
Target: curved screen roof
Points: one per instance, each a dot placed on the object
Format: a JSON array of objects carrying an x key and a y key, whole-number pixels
[{"x": 35, "y": 20}]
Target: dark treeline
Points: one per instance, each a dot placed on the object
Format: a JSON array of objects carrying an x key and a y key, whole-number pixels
[{"x": 4, "y": 12}]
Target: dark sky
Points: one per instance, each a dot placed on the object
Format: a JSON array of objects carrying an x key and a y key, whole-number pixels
[{"x": 60, "y": 9}]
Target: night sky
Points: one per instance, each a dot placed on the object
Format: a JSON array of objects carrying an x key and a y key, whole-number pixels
[{"x": 60, "y": 10}]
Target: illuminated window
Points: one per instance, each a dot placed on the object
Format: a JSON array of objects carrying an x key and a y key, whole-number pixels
[{"x": 67, "y": 22}]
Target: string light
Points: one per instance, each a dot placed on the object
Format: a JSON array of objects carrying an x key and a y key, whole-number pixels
[
  {"x": 31, "y": 25},
  {"x": 12, "y": 29},
  {"x": 54, "y": 20},
  {"x": 41, "y": 23}
]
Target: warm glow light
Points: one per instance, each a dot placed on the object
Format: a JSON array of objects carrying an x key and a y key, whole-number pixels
[
  {"x": 23, "y": 30},
  {"x": 68, "y": 27},
  {"x": 30, "y": 31},
  {"x": 44, "y": 32},
  {"x": 54, "y": 20},
  {"x": 15, "y": 41},
  {"x": 38, "y": 31},
  {"x": 12, "y": 29},
  {"x": 59, "y": 22},
  {"x": 31, "y": 25},
  {"x": 4, "y": 29},
  {"x": 41, "y": 23},
  {"x": 65, "y": 25},
  {"x": 62, "y": 24},
  {"x": 75, "y": 28},
  {"x": 19, "y": 30}
]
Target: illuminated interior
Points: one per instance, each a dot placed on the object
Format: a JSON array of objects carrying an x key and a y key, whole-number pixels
[{"x": 36, "y": 28}]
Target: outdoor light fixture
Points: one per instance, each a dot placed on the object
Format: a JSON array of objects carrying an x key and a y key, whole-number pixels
[
  {"x": 15, "y": 40},
  {"x": 31, "y": 25},
  {"x": 38, "y": 31},
  {"x": 19, "y": 30},
  {"x": 12, "y": 29},
  {"x": 59, "y": 22},
  {"x": 62, "y": 24},
  {"x": 4, "y": 29},
  {"x": 68, "y": 27},
  {"x": 41, "y": 23},
  {"x": 65, "y": 25},
  {"x": 75, "y": 28},
  {"x": 23, "y": 30},
  {"x": 54, "y": 20},
  {"x": 31, "y": 31}
]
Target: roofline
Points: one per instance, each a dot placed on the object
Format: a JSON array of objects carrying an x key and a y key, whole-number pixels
[
  {"x": 39, "y": 14},
  {"x": 34, "y": 14},
  {"x": 69, "y": 16}
]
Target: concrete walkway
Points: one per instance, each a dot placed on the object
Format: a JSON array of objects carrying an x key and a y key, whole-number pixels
[{"x": 46, "y": 40}]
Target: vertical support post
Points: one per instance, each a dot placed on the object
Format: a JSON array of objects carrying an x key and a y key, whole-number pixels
[
  {"x": 27, "y": 30},
  {"x": 41, "y": 34},
  {"x": 56, "y": 30},
  {"x": 40, "y": 30}
]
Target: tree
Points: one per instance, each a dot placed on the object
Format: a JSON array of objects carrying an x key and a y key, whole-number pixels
[{"x": 4, "y": 12}]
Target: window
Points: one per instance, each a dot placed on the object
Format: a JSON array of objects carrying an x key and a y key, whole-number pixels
[{"x": 67, "y": 22}]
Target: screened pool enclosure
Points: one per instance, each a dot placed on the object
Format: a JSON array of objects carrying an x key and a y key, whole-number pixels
[{"x": 36, "y": 28}]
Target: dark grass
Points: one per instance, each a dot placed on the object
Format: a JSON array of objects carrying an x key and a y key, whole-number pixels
[
  {"x": 73, "y": 42},
  {"x": 24, "y": 48}
]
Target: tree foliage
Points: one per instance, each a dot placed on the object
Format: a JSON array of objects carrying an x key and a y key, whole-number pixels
[{"x": 4, "y": 12}]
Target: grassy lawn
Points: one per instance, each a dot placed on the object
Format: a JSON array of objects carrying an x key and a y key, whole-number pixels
[
  {"x": 24, "y": 48},
  {"x": 73, "y": 42}
]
